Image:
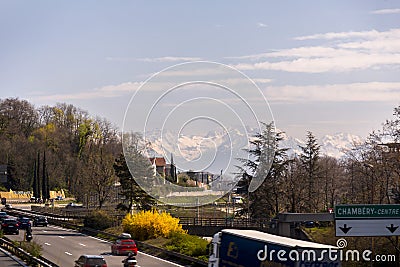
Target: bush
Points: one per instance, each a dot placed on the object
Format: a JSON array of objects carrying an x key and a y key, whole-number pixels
[
  {"x": 32, "y": 248},
  {"x": 98, "y": 220},
  {"x": 150, "y": 224},
  {"x": 187, "y": 244}
]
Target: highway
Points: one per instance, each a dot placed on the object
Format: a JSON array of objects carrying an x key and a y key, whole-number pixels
[{"x": 64, "y": 246}]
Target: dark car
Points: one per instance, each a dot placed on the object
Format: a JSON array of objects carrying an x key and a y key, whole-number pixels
[
  {"x": 24, "y": 223},
  {"x": 90, "y": 261},
  {"x": 10, "y": 226},
  {"x": 309, "y": 224},
  {"x": 3, "y": 215},
  {"x": 40, "y": 221}
]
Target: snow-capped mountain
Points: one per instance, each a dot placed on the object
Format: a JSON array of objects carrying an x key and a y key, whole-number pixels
[
  {"x": 213, "y": 152},
  {"x": 336, "y": 145},
  {"x": 331, "y": 145},
  {"x": 219, "y": 150}
]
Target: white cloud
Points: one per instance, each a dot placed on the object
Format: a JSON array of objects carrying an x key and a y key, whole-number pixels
[
  {"x": 103, "y": 92},
  {"x": 262, "y": 25},
  {"x": 170, "y": 59},
  {"x": 327, "y": 64},
  {"x": 371, "y": 91},
  {"x": 305, "y": 52},
  {"x": 121, "y": 59},
  {"x": 386, "y": 11},
  {"x": 157, "y": 59},
  {"x": 261, "y": 80},
  {"x": 353, "y": 50},
  {"x": 341, "y": 35}
]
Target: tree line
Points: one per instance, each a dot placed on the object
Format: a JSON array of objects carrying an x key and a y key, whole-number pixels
[
  {"x": 62, "y": 146},
  {"x": 311, "y": 182},
  {"x": 54, "y": 147}
]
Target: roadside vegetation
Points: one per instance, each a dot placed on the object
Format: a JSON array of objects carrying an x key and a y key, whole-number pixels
[
  {"x": 99, "y": 220},
  {"x": 65, "y": 147},
  {"x": 160, "y": 228},
  {"x": 62, "y": 146},
  {"x": 33, "y": 248}
]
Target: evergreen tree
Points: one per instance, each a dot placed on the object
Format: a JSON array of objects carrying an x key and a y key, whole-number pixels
[
  {"x": 37, "y": 174},
  {"x": 45, "y": 182},
  {"x": 35, "y": 182},
  {"x": 264, "y": 202},
  {"x": 309, "y": 159},
  {"x": 172, "y": 171},
  {"x": 130, "y": 190}
]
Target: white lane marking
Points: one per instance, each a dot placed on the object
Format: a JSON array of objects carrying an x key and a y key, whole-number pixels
[
  {"x": 64, "y": 229},
  {"x": 47, "y": 244},
  {"x": 98, "y": 239},
  {"x": 69, "y": 254},
  {"x": 82, "y": 244},
  {"x": 44, "y": 231},
  {"x": 61, "y": 237},
  {"x": 104, "y": 241},
  {"x": 151, "y": 256}
]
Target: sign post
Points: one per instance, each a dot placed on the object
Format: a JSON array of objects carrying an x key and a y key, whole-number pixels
[{"x": 367, "y": 220}]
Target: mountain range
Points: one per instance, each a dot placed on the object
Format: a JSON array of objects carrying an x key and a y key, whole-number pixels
[{"x": 219, "y": 150}]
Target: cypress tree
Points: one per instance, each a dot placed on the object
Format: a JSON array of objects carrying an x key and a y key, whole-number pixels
[
  {"x": 44, "y": 180},
  {"x": 38, "y": 196},
  {"x": 34, "y": 184}
]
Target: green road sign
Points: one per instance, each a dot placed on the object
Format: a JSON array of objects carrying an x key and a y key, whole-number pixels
[{"x": 358, "y": 211}]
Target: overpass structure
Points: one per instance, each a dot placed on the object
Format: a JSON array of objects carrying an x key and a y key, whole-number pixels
[
  {"x": 285, "y": 220},
  {"x": 282, "y": 225}
]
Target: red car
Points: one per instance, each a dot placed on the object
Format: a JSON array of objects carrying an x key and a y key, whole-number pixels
[{"x": 124, "y": 246}]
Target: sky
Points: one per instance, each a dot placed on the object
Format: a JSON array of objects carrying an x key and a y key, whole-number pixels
[{"x": 321, "y": 66}]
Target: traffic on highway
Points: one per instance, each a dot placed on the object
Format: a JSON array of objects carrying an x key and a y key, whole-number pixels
[{"x": 66, "y": 247}]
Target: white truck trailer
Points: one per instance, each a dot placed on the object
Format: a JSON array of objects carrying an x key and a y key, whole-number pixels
[{"x": 250, "y": 248}]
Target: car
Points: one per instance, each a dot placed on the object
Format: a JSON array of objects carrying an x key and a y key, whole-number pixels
[
  {"x": 40, "y": 220},
  {"x": 24, "y": 223},
  {"x": 10, "y": 226},
  {"x": 3, "y": 215},
  {"x": 8, "y": 206},
  {"x": 309, "y": 224},
  {"x": 90, "y": 261},
  {"x": 59, "y": 198},
  {"x": 124, "y": 247},
  {"x": 73, "y": 205},
  {"x": 125, "y": 236}
]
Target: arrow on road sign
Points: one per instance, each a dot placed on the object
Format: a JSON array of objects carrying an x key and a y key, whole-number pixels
[
  {"x": 345, "y": 229},
  {"x": 392, "y": 228}
]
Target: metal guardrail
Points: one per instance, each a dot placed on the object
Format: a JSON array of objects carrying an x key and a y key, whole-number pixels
[
  {"x": 8, "y": 245},
  {"x": 153, "y": 250}
]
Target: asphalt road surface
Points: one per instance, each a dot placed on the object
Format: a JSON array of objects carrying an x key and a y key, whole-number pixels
[{"x": 64, "y": 246}]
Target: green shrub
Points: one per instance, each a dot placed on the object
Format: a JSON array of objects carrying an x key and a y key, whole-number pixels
[
  {"x": 3, "y": 188},
  {"x": 187, "y": 244},
  {"x": 150, "y": 224},
  {"x": 98, "y": 220},
  {"x": 32, "y": 248}
]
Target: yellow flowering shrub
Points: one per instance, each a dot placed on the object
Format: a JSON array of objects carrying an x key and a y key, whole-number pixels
[{"x": 151, "y": 224}]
